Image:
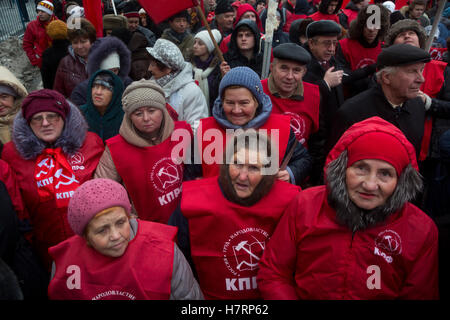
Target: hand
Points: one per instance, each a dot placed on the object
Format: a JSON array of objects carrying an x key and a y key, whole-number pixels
[
  {"x": 283, "y": 175},
  {"x": 422, "y": 95},
  {"x": 333, "y": 78},
  {"x": 224, "y": 68}
]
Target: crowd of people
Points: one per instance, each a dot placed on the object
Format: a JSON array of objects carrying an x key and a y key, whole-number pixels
[{"x": 159, "y": 161}]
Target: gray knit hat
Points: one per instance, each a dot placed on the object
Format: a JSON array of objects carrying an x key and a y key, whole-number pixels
[
  {"x": 143, "y": 93},
  {"x": 405, "y": 25},
  {"x": 168, "y": 54}
]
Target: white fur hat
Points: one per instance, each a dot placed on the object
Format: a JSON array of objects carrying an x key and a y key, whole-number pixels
[{"x": 111, "y": 61}]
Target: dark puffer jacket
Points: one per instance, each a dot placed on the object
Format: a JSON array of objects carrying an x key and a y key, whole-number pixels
[{"x": 71, "y": 71}]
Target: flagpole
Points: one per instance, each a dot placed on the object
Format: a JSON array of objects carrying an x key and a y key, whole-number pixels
[
  {"x": 114, "y": 7},
  {"x": 205, "y": 22},
  {"x": 437, "y": 18}
]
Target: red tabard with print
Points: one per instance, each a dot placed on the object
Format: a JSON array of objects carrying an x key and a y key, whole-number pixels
[
  {"x": 226, "y": 258},
  {"x": 151, "y": 177},
  {"x": 357, "y": 55},
  {"x": 143, "y": 272},
  {"x": 49, "y": 221},
  {"x": 304, "y": 114},
  {"x": 210, "y": 150}
]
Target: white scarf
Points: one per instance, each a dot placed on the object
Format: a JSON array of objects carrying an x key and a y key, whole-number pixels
[{"x": 201, "y": 77}]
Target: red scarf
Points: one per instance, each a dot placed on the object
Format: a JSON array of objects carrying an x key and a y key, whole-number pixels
[{"x": 54, "y": 177}]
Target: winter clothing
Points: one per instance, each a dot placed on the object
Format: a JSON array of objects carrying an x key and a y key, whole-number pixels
[
  {"x": 157, "y": 269},
  {"x": 71, "y": 71},
  {"x": 50, "y": 60},
  {"x": 105, "y": 125},
  {"x": 180, "y": 90},
  {"x": 206, "y": 39},
  {"x": 36, "y": 40},
  {"x": 10, "y": 82},
  {"x": 303, "y": 108},
  {"x": 165, "y": 52},
  {"x": 234, "y": 57},
  {"x": 101, "y": 51},
  {"x": 323, "y": 28},
  {"x": 57, "y": 30},
  {"x": 184, "y": 41},
  {"x": 337, "y": 16},
  {"x": 44, "y": 100},
  {"x": 403, "y": 243},
  {"x": 227, "y": 257},
  {"x": 404, "y": 25},
  {"x": 75, "y": 153},
  {"x": 91, "y": 198},
  {"x": 300, "y": 162},
  {"x": 45, "y": 6},
  {"x": 401, "y": 55},
  {"x": 156, "y": 193}
]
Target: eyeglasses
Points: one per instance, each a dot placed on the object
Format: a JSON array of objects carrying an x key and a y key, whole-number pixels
[
  {"x": 328, "y": 43},
  {"x": 51, "y": 118}
]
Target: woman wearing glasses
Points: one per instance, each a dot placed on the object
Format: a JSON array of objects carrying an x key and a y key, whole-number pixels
[{"x": 51, "y": 154}]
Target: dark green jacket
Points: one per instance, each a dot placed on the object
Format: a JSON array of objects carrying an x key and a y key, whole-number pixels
[{"x": 106, "y": 126}]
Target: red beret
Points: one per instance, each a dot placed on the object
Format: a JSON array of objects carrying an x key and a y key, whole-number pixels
[{"x": 45, "y": 100}]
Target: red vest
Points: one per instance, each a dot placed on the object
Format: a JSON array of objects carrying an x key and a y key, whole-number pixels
[
  {"x": 274, "y": 121},
  {"x": 317, "y": 16},
  {"x": 226, "y": 257},
  {"x": 304, "y": 114},
  {"x": 143, "y": 272},
  {"x": 351, "y": 14},
  {"x": 50, "y": 224},
  {"x": 357, "y": 55},
  {"x": 152, "y": 178}
]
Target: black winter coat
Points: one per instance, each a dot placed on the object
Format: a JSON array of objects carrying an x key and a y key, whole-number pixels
[{"x": 50, "y": 61}]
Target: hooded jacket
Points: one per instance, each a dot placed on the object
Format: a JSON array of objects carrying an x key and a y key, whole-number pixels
[
  {"x": 186, "y": 97},
  {"x": 107, "y": 125},
  {"x": 101, "y": 49},
  {"x": 337, "y": 16},
  {"x": 82, "y": 151},
  {"x": 234, "y": 57},
  {"x": 311, "y": 255},
  {"x": 6, "y": 121}
]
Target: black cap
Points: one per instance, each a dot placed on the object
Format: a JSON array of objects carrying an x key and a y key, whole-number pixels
[
  {"x": 401, "y": 55},
  {"x": 223, "y": 6},
  {"x": 323, "y": 28},
  {"x": 292, "y": 51}
]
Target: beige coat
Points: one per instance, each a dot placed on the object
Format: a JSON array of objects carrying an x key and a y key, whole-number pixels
[{"x": 7, "y": 78}]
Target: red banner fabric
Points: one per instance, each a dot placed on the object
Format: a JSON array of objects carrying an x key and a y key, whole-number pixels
[
  {"x": 160, "y": 10},
  {"x": 93, "y": 12}
]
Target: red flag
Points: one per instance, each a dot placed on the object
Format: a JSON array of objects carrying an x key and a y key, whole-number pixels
[
  {"x": 93, "y": 12},
  {"x": 160, "y": 10}
]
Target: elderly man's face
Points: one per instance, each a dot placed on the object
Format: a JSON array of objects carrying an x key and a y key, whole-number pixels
[
  {"x": 406, "y": 81},
  {"x": 287, "y": 75},
  {"x": 225, "y": 20},
  {"x": 408, "y": 37},
  {"x": 323, "y": 47}
]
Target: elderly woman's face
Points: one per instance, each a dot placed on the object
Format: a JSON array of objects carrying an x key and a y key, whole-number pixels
[
  {"x": 109, "y": 233},
  {"x": 239, "y": 105},
  {"x": 245, "y": 172},
  {"x": 6, "y": 103},
  {"x": 47, "y": 126},
  {"x": 370, "y": 182}
]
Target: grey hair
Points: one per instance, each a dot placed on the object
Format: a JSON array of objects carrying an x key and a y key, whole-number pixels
[{"x": 388, "y": 70}]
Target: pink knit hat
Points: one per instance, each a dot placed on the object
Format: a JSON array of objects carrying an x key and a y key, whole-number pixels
[{"x": 92, "y": 197}]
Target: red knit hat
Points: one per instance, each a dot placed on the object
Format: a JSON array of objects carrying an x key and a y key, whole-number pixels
[
  {"x": 92, "y": 197},
  {"x": 381, "y": 146},
  {"x": 45, "y": 100}
]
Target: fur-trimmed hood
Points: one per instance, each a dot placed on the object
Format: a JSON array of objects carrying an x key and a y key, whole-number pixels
[
  {"x": 409, "y": 183},
  {"x": 29, "y": 146},
  {"x": 102, "y": 48},
  {"x": 323, "y": 6}
]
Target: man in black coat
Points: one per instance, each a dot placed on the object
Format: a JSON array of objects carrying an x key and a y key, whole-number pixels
[
  {"x": 323, "y": 71},
  {"x": 395, "y": 98}
]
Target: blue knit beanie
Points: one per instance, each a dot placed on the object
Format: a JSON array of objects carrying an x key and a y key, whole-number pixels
[{"x": 244, "y": 77}]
